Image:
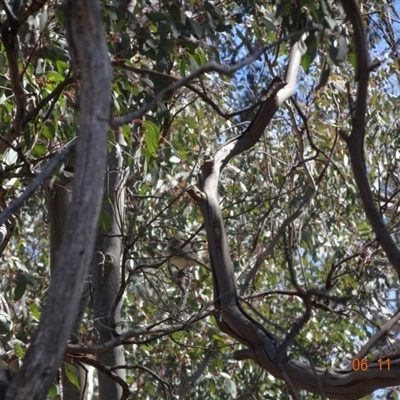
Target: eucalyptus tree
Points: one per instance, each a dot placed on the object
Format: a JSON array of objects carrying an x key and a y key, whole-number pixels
[{"x": 266, "y": 135}]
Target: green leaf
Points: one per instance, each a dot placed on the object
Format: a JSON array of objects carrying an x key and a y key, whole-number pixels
[
  {"x": 18, "y": 350},
  {"x": 151, "y": 135},
  {"x": 323, "y": 79},
  {"x": 156, "y": 16},
  {"x": 194, "y": 28},
  {"x": 48, "y": 131},
  {"x": 39, "y": 150},
  {"x": 175, "y": 12},
  {"x": 283, "y": 8},
  {"x": 20, "y": 265},
  {"x": 2, "y": 60},
  {"x": 155, "y": 174},
  {"x": 268, "y": 23},
  {"x": 352, "y": 55},
  {"x": 22, "y": 280},
  {"x": 31, "y": 280},
  {"x": 52, "y": 53},
  {"x": 309, "y": 56},
  {"x": 35, "y": 311},
  {"x": 72, "y": 374},
  {"x": 105, "y": 221},
  {"x": 53, "y": 392},
  {"x": 55, "y": 76},
  {"x": 183, "y": 67},
  {"x": 20, "y": 286}
]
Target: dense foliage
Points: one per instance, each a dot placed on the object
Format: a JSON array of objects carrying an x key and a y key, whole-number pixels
[{"x": 322, "y": 243}]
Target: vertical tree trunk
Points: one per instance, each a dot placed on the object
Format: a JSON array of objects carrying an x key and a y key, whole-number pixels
[
  {"x": 106, "y": 272},
  {"x": 58, "y": 199},
  {"x": 76, "y": 248}
]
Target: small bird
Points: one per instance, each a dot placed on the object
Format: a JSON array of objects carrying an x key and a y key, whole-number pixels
[{"x": 182, "y": 256}]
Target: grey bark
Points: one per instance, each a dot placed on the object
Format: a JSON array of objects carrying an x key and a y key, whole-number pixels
[
  {"x": 58, "y": 200},
  {"x": 106, "y": 274},
  {"x": 355, "y": 141},
  {"x": 76, "y": 249}
]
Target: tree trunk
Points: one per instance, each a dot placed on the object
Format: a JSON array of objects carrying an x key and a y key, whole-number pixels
[
  {"x": 106, "y": 273},
  {"x": 76, "y": 248}
]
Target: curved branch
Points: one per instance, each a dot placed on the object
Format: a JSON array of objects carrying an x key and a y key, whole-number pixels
[
  {"x": 355, "y": 141},
  {"x": 110, "y": 373},
  {"x": 233, "y": 317}
]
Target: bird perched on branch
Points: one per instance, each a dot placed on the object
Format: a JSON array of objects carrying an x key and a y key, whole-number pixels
[{"x": 182, "y": 256}]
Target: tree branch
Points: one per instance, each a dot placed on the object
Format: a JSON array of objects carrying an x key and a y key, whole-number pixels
[
  {"x": 110, "y": 373},
  {"x": 355, "y": 141}
]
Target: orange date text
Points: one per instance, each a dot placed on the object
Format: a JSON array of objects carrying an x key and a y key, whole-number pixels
[{"x": 361, "y": 364}]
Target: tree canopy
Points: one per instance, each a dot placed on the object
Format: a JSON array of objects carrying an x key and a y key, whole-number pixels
[{"x": 264, "y": 134}]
